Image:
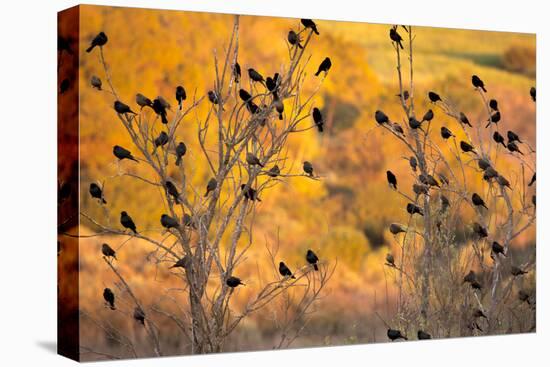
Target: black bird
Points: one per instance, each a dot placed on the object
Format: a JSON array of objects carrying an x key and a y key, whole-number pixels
[
  {"x": 122, "y": 153},
  {"x": 172, "y": 190},
  {"x": 274, "y": 171},
  {"x": 420, "y": 189},
  {"x": 533, "y": 179},
  {"x": 497, "y": 248},
  {"x": 122, "y": 108},
  {"x": 233, "y": 282},
  {"x": 244, "y": 95},
  {"x": 108, "y": 251},
  {"x": 255, "y": 76},
  {"x": 143, "y": 101},
  {"x": 96, "y": 192},
  {"x": 64, "y": 86},
  {"x": 499, "y": 139},
  {"x": 422, "y": 335},
  {"x": 285, "y": 271},
  {"x": 478, "y": 201},
  {"x": 318, "y": 119},
  {"x": 109, "y": 297},
  {"x": 308, "y": 23},
  {"x": 533, "y": 93},
  {"x": 168, "y": 222},
  {"x": 127, "y": 221},
  {"x": 466, "y": 148},
  {"x": 434, "y": 97},
  {"x": 139, "y": 315},
  {"x": 184, "y": 262},
  {"x": 502, "y": 181},
  {"x": 213, "y": 97},
  {"x": 476, "y": 285},
  {"x": 95, "y": 82},
  {"x": 512, "y": 136},
  {"x": 395, "y": 334},
  {"x": 160, "y": 141},
  {"x": 390, "y": 261},
  {"x": 515, "y": 271},
  {"x": 392, "y": 180},
  {"x": 180, "y": 95},
  {"x": 483, "y": 163},
  {"x": 253, "y": 160},
  {"x": 396, "y": 228},
  {"x": 396, "y": 37},
  {"x": 478, "y": 83},
  {"x": 181, "y": 149},
  {"x": 187, "y": 221},
  {"x": 381, "y": 117},
  {"x": 470, "y": 277},
  {"x": 446, "y": 133},
  {"x": 99, "y": 40},
  {"x": 428, "y": 180},
  {"x": 272, "y": 86},
  {"x": 495, "y": 118},
  {"x": 312, "y": 259},
  {"x": 414, "y": 209},
  {"x": 308, "y": 168},
  {"x": 249, "y": 193},
  {"x": 493, "y": 104},
  {"x": 325, "y": 66},
  {"x": 414, "y": 123},
  {"x": 428, "y": 116},
  {"x": 397, "y": 128},
  {"x": 513, "y": 147},
  {"x": 160, "y": 110},
  {"x": 480, "y": 230},
  {"x": 237, "y": 72},
  {"x": 463, "y": 119},
  {"x": 294, "y": 39},
  {"x": 211, "y": 186},
  {"x": 413, "y": 163}
]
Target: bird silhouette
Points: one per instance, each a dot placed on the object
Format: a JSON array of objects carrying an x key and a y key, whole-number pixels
[
  {"x": 168, "y": 222},
  {"x": 108, "y": 251},
  {"x": 434, "y": 97},
  {"x": 381, "y": 117},
  {"x": 393, "y": 335},
  {"x": 308, "y": 23},
  {"x": 422, "y": 335},
  {"x": 97, "y": 193},
  {"x": 308, "y": 168},
  {"x": 122, "y": 108},
  {"x": 478, "y": 83},
  {"x": 478, "y": 201},
  {"x": 233, "y": 282},
  {"x": 172, "y": 190},
  {"x": 95, "y": 82},
  {"x": 122, "y": 153},
  {"x": 181, "y": 149},
  {"x": 466, "y": 148},
  {"x": 211, "y": 186},
  {"x": 396, "y": 37},
  {"x": 255, "y": 76},
  {"x": 497, "y": 248},
  {"x": 318, "y": 119},
  {"x": 143, "y": 101},
  {"x": 184, "y": 263},
  {"x": 109, "y": 297},
  {"x": 139, "y": 315},
  {"x": 294, "y": 39},
  {"x": 325, "y": 66},
  {"x": 99, "y": 40},
  {"x": 285, "y": 271},
  {"x": 160, "y": 110},
  {"x": 464, "y": 119},
  {"x": 253, "y": 160},
  {"x": 499, "y": 139},
  {"x": 180, "y": 95},
  {"x": 237, "y": 72},
  {"x": 446, "y": 133},
  {"x": 392, "y": 180},
  {"x": 274, "y": 171},
  {"x": 312, "y": 259},
  {"x": 533, "y": 93}
]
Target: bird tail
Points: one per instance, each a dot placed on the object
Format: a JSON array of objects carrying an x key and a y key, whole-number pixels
[
  {"x": 485, "y": 90},
  {"x": 485, "y": 206},
  {"x": 180, "y": 105},
  {"x": 320, "y": 128},
  {"x": 135, "y": 160},
  {"x": 89, "y": 49},
  {"x": 103, "y": 201},
  {"x": 178, "y": 161},
  {"x": 261, "y": 165},
  {"x": 280, "y": 116},
  {"x": 400, "y": 44},
  {"x": 164, "y": 119},
  {"x": 205, "y": 195},
  {"x": 316, "y": 31},
  {"x": 488, "y": 124},
  {"x": 293, "y": 277},
  {"x": 318, "y": 72},
  {"x": 315, "y": 267},
  {"x": 300, "y": 46}
]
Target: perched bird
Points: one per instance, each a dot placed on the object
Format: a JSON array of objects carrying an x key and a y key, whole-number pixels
[
  {"x": 285, "y": 271},
  {"x": 464, "y": 120},
  {"x": 244, "y": 95},
  {"x": 280, "y": 108},
  {"x": 397, "y": 128},
  {"x": 428, "y": 116},
  {"x": 255, "y": 76},
  {"x": 253, "y": 160},
  {"x": 325, "y": 66},
  {"x": 513, "y": 147},
  {"x": 160, "y": 110},
  {"x": 181, "y": 149},
  {"x": 211, "y": 186},
  {"x": 523, "y": 296},
  {"x": 405, "y": 95},
  {"x": 308, "y": 23},
  {"x": 446, "y": 133},
  {"x": 318, "y": 119},
  {"x": 122, "y": 108},
  {"x": 422, "y": 335},
  {"x": 213, "y": 97},
  {"x": 294, "y": 39},
  {"x": 478, "y": 313},
  {"x": 233, "y": 282},
  {"x": 96, "y": 192},
  {"x": 413, "y": 163},
  {"x": 420, "y": 189},
  {"x": 434, "y": 97},
  {"x": 381, "y": 117},
  {"x": 499, "y": 139},
  {"x": 493, "y": 104},
  {"x": 495, "y": 118},
  {"x": 139, "y": 315},
  {"x": 396, "y": 228},
  {"x": 533, "y": 93},
  {"x": 172, "y": 190},
  {"x": 428, "y": 179},
  {"x": 184, "y": 263},
  {"x": 466, "y": 148},
  {"x": 274, "y": 171},
  {"x": 414, "y": 209},
  {"x": 476, "y": 285},
  {"x": 392, "y": 180},
  {"x": 533, "y": 179},
  {"x": 160, "y": 141},
  {"x": 109, "y": 297},
  {"x": 143, "y": 101},
  {"x": 122, "y": 153},
  {"x": 237, "y": 72},
  {"x": 127, "y": 221},
  {"x": 480, "y": 230},
  {"x": 512, "y": 136},
  {"x": 308, "y": 168},
  {"x": 502, "y": 181},
  {"x": 249, "y": 193},
  {"x": 414, "y": 123},
  {"x": 444, "y": 203},
  {"x": 478, "y": 83},
  {"x": 478, "y": 201},
  {"x": 272, "y": 85},
  {"x": 108, "y": 251},
  {"x": 395, "y": 334},
  {"x": 483, "y": 163},
  {"x": 515, "y": 271},
  {"x": 168, "y": 222},
  {"x": 99, "y": 40},
  {"x": 396, "y": 37},
  {"x": 95, "y": 82},
  {"x": 180, "y": 95},
  {"x": 470, "y": 277},
  {"x": 163, "y": 102},
  {"x": 187, "y": 221},
  {"x": 497, "y": 248},
  {"x": 312, "y": 259},
  {"x": 252, "y": 107}
]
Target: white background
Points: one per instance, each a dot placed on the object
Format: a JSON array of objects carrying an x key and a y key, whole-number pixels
[{"x": 28, "y": 181}]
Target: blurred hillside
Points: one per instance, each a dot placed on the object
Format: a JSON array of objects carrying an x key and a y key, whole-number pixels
[{"x": 345, "y": 215}]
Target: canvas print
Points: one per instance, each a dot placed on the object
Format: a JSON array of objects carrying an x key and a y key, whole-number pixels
[{"x": 237, "y": 183}]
